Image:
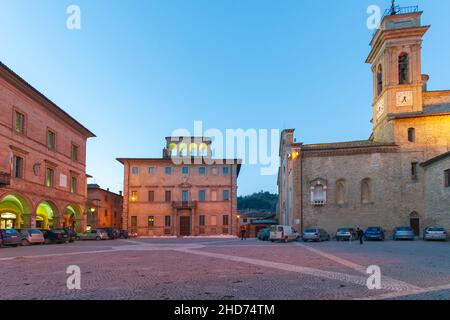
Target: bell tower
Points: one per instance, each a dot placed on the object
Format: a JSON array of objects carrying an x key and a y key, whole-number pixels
[{"x": 395, "y": 58}]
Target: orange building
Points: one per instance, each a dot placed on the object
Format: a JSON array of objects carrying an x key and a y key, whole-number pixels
[
  {"x": 184, "y": 193},
  {"x": 42, "y": 159},
  {"x": 104, "y": 208}
]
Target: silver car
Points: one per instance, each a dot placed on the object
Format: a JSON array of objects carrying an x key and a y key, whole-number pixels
[
  {"x": 31, "y": 236},
  {"x": 404, "y": 233},
  {"x": 93, "y": 235},
  {"x": 315, "y": 234},
  {"x": 435, "y": 233}
]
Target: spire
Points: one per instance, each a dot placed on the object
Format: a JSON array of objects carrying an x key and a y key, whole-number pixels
[{"x": 393, "y": 10}]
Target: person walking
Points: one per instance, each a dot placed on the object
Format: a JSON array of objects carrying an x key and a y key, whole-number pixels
[
  {"x": 243, "y": 234},
  {"x": 360, "y": 236}
]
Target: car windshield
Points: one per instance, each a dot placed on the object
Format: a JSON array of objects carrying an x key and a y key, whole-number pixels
[
  {"x": 11, "y": 232},
  {"x": 310, "y": 230},
  {"x": 58, "y": 231},
  {"x": 344, "y": 230}
]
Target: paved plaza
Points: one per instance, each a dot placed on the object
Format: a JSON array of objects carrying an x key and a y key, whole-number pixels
[{"x": 226, "y": 269}]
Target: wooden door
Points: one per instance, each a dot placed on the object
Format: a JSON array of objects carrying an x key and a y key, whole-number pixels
[
  {"x": 185, "y": 226},
  {"x": 415, "y": 225}
]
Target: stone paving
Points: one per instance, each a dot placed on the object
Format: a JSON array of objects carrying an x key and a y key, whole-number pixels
[{"x": 226, "y": 269}]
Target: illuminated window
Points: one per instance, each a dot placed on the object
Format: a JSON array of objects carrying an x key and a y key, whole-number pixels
[
  {"x": 19, "y": 123},
  {"x": 51, "y": 140},
  {"x": 49, "y": 177},
  {"x": 134, "y": 196}
]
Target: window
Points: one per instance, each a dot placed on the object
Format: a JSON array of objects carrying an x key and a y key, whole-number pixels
[
  {"x": 447, "y": 178},
  {"x": 226, "y": 195},
  {"x": 134, "y": 197},
  {"x": 340, "y": 192},
  {"x": 151, "y": 196},
  {"x": 51, "y": 140},
  {"x": 366, "y": 191},
  {"x": 379, "y": 79},
  {"x": 403, "y": 69},
  {"x": 319, "y": 192},
  {"x": 19, "y": 123},
  {"x": 168, "y": 221},
  {"x": 151, "y": 221},
  {"x": 226, "y": 220},
  {"x": 135, "y": 170},
  {"x": 201, "y": 220},
  {"x": 185, "y": 196},
  {"x": 73, "y": 185},
  {"x": 168, "y": 196},
  {"x": 74, "y": 152},
  {"x": 226, "y": 171},
  {"x": 214, "y": 195},
  {"x": 202, "y": 171},
  {"x": 202, "y": 195},
  {"x": 49, "y": 177},
  {"x": 168, "y": 170},
  {"x": 151, "y": 170},
  {"x": 414, "y": 170},
  {"x": 412, "y": 135},
  {"x": 185, "y": 170},
  {"x": 214, "y": 171},
  {"x": 18, "y": 167},
  {"x": 134, "y": 221}
]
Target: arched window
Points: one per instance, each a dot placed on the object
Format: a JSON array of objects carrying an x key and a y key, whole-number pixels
[
  {"x": 182, "y": 150},
  {"x": 412, "y": 135},
  {"x": 340, "y": 191},
  {"x": 403, "y": 69},
  {"x": 366, "y": 191},
  {"x": 379, "y": 80},
  {"x": 318, "y": 192}
]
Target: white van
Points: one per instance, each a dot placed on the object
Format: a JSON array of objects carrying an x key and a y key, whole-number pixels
[{"x": 283, "y": 233}]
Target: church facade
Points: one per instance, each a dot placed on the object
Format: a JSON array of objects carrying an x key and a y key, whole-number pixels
[{"x": 397, "y": 177}]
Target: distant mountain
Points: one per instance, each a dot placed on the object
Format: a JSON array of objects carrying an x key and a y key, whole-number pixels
[{"x": 261, "y": 201}]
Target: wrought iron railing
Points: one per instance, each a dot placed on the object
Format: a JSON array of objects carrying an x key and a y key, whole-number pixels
[
  {"x": 400, "y": 10},
  {"x": 184, "y": 204}
]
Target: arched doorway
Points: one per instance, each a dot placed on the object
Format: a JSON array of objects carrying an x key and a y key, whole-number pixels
[
  {"x": 14, "y": 212},
  {"x": 46, "y": 215},
  {"x": 414, "y": 220},
  {"x": 72, "y": 217}
]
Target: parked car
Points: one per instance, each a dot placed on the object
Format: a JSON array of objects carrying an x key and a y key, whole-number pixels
[
  {"x": 283, "y": 233},
  {"x": 31, "y": 236},
  {"x": 93, "y": 235},
  {"x": 346, "y": 234},
  {"x": 9, "y": 237},
  {"x": 113, "y": 233},
  {"x": 55, "y": 236},
  {"x": 375, "y": 233},
  {"x": 315, "y": 234},
  {"x": 435, "y": 233},
  {"x": 71, "y": 235},
  {"x": 264, "y": 234},
  {"x": 124, "y": 234},
  {"x": 403, "y": 233}
]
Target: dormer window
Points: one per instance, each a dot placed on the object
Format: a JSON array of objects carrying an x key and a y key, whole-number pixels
[{"x": 403, "y": 69}]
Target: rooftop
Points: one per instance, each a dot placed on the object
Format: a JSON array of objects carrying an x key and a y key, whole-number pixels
[
  {"x": 346, "y": 145},
  {"x": 436, "y": 159}
]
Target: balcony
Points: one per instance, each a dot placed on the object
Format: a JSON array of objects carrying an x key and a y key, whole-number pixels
[
  {"x": 5, "y": 179},
  {"x": 184, "y": 204}
]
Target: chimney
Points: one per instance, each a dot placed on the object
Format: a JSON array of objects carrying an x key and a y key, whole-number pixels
[
  {"x": 120, "y": 193},
  {"x": 425, "y": 79}
]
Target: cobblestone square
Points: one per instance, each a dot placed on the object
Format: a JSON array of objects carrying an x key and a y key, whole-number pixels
[{"x": 226, "y": 269}]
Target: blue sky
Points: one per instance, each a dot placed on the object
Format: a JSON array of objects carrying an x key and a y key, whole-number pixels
[{"x": 139, "y": 69}]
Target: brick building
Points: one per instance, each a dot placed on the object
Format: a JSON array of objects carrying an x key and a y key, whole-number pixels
[
  {"x": 104, "y": 207},
  {"x": 378, "y": 181},
  {"x": 42, "y": 159},
  {"x": 186, "y": 192}
]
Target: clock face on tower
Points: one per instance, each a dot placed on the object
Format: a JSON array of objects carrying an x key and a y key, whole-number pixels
[{"x": 404, "y": 99}]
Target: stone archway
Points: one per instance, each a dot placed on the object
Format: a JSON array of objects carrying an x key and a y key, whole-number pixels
[
  {"x": 47, "y": 215},
  {"x": 72, "y": 218},
  {"x": 14, "y": 212}
]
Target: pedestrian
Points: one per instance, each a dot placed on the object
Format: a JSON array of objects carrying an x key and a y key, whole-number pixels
[
  {"x": 360, "y": 236},
  {"x": 243, "y": 234}
]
